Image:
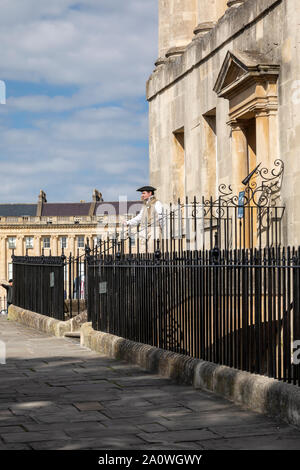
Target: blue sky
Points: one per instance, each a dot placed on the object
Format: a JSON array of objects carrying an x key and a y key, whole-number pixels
[{"x": 76, "y": 116}]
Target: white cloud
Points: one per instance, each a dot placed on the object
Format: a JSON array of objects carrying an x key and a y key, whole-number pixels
[
  {"x": 109, "y": 45},
  {"x": 103, "y": 49}
]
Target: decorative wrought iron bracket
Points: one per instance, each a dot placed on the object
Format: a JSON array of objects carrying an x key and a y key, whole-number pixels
[{"x": 262, "y": 188}]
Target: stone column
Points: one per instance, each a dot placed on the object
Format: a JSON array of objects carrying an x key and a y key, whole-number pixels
[
  {"x": 3, "y": 258},
  {"x": 208, "y": 167},
  {"x": 54, "y": 247},
  {"x": 37, "y": 245},
  {"x": 263, "y": 138},
  {"x": 273, "y": 137},
  {"x": 20, "y": 248},
  {"x": 272, "y": 106},
  {"x": 239, "y": 156},
  {"x": 177, "y": 20},
  {"x": 239, "y": 170},
  {"x": 71, "y": 244}
]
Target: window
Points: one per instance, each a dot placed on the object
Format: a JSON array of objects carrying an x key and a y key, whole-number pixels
[
  {"x": 11, "y": 242},
  {"x": 63, "y": 242},
  {"x": 80, "y": 242},
  {"x": 46, "y": 242},
  {"x": 29, "y": 242}
]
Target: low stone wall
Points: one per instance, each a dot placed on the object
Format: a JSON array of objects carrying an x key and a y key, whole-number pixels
[
  {"x": 256, "y": 392},
  {"x": 44, "y": 323}
]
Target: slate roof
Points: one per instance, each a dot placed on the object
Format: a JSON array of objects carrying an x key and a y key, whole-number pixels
[
  {"x": 65, "y": 209},
  {"x": 17, "y": 210},
  {"x": 71, "y": 209}
]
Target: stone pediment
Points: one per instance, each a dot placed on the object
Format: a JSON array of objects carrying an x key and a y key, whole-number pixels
[{"x": 238, "y": 66}]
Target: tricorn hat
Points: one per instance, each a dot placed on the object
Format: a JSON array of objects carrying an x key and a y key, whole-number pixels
[{"x": 146, "y": 188}]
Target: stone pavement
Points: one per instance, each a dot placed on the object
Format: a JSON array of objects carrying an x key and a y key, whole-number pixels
[{"x": 54, "y": 394}]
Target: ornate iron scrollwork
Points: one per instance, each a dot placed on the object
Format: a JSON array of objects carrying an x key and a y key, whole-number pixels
[{"x": 262, "y": 193}]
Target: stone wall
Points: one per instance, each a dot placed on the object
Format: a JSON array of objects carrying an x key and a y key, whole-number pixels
[{"x": 181, "y": 97}]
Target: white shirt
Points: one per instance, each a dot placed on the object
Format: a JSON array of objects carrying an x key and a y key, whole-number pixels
[{"x": 158, "y": 209}]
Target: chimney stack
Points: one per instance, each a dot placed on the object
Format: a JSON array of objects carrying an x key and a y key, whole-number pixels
[{"x": 41, "y": 200}]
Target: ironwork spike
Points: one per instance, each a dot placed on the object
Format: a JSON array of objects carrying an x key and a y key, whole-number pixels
[{"x": 248, "y": 178}]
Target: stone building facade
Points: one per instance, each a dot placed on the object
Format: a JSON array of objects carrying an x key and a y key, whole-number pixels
[
  {"x": 224, "y": 97},
  {"x": 46, "y": 227}
]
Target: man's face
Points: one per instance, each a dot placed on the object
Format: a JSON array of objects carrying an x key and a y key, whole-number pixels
[{"x": 145, "y": 195}]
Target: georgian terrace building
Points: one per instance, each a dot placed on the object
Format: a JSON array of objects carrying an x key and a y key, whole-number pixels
[{"x": 50, "y": 227}]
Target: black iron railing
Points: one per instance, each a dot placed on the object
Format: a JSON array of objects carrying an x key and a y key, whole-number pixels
[
  {"x": 239, "y": 308},
  {"x": 38, "y": 284}
]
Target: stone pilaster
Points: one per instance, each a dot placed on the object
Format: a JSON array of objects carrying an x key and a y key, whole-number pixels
[
  {"x": 239, "y": 156},
  {"x": 3, "y": 258},
  {"x": 20, "y": 246},
  {"x": 37, "y": 245},
  {"x": 262, "y": 138},
  {"x": 54, "y": 245},
  {"x": 71, "y": 244}
]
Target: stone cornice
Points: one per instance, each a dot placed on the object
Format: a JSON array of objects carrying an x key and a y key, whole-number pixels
[
  {"x": 233, "y": 23},
  {"x": 49, "y": 227}
]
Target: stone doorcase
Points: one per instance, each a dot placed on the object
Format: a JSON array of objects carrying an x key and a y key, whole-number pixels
[{"x": 248, "y": 80}]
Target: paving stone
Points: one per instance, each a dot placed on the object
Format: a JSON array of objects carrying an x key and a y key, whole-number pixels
[
  {"x": 178, "y": 412},
  {"x": 211, "y": 420},
  {"x": 15, "y": 420},
  {"x": 18, "y": 446},
  {"x": 135, "y": 421},
  {"x": 54, "y": 394},
  {"x": 168, "y": 446},
  {"x": 64, "y": 426},
  {"x": 270, "y": 442},
  {"x": 88, "y": 406},
  {"x": 151, "y": 427},
  {"x": 178, "y": 436},
  {"x": 122, "y": 412},
  {"x": 69, "y": 418},
  {"x": 33, "y": 436},
  {"x": 9, "y": 429},
  {"x": 257, "y": 429},
  {"x": 112, "y": 443},
  {"x": 98, "y": 396}
]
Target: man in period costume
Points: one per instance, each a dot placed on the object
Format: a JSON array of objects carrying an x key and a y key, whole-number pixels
[
  {"x": 150, "y": 218},
  {"x": 9, "y": 289}
]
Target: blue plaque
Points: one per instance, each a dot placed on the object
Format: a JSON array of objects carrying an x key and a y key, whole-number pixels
[{"x": 241, "y": 205}]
